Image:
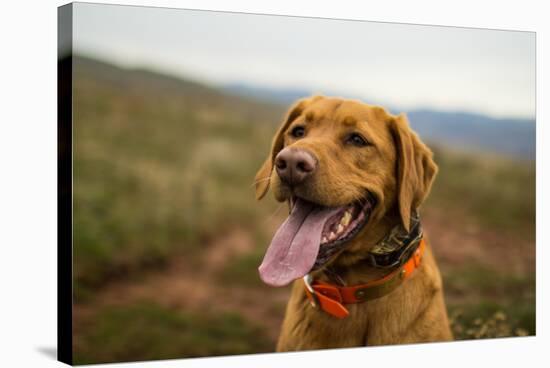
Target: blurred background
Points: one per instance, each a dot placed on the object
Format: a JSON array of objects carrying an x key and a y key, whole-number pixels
[{"x": 174, "y": 111}]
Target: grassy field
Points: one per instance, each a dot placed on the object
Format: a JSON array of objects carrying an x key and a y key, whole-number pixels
[{"x": 168, "y": 236}]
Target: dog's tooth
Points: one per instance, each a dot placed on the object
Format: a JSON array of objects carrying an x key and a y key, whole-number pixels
[
  {"x": 346, "y": 218},
  {"x": 324, "y": 240},
  {"x": 331, "y": 236},
  {"x": 340, "y": 229}
]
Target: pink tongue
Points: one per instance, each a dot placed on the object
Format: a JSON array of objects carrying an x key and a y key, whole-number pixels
[{"x": 294, "y": 247}]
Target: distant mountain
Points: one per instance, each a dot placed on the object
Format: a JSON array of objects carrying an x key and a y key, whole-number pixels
[
  {"x": 458, "y": 129},
  {"x": 467, "y": 131}
]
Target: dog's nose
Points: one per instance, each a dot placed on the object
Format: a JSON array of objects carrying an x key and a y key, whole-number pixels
[{"x": 294, "y": 165}]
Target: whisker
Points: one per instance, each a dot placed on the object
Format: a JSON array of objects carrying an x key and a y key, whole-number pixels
[
  {"x": 272, "y": 216},
  {"x": 260, "y": 180}
]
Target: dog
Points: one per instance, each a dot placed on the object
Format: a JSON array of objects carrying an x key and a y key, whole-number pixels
[{"x": 363, "y": 273}]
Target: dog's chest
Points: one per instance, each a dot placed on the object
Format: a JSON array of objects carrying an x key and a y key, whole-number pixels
[{"x": 307, "y": 328}]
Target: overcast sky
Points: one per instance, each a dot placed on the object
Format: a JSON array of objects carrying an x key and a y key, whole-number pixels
[{"x": 487, "y": 71}]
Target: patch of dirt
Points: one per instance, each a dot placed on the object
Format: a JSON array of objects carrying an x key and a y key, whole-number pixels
[
  {"x": 185, "y": 287},
  {"x": 236, "y": 243},
  {"x": 457, "y": 242}
]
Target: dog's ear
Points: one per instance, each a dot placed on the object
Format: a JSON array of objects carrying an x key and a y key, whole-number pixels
[
  {"x": 416, "y": 168},
  {"x": 263, "y": 175}
]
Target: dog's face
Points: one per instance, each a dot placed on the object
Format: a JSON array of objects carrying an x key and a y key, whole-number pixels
[{"x": 342, "y": 165}]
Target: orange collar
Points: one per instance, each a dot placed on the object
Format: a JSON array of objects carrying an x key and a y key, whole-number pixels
[{"x": 331, "y": 298}]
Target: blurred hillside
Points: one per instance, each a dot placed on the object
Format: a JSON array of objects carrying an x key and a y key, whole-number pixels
[
  {"x": 158, "y": 161},
  {"x": 168, "y": 236}
]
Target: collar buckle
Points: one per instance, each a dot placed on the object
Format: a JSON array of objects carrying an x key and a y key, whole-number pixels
[{"x": 314, "y": 300}]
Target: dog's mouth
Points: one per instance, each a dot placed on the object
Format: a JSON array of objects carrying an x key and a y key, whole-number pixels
[{"x": 310, "y": 236}]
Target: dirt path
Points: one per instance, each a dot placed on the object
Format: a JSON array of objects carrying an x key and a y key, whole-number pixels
[{"x": 191, "y": 288}]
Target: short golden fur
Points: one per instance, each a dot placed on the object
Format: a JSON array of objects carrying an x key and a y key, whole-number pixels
[{"x": 398, "y": 169}]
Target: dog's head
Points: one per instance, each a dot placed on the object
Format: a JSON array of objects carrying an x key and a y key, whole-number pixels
[{"x": 343, "y": 165}]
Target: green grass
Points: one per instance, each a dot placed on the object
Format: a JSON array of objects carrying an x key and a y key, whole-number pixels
[
  {"x": 485, "y": 302},
  {"x": 243, "y": 270},
  {"x": 475, "y": 279},
  {"x": 488, "y": 319},
  {"x": 147, "y": 331},
  {"x": 495, "y": 192}
]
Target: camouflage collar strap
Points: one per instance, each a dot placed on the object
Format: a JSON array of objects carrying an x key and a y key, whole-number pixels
[{"x": 396, "y": 248}]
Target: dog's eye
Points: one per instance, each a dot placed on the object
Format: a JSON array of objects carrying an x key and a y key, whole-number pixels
[
  {"x": 356, "y": 140},
  {"x": 298, "y": 132}
]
